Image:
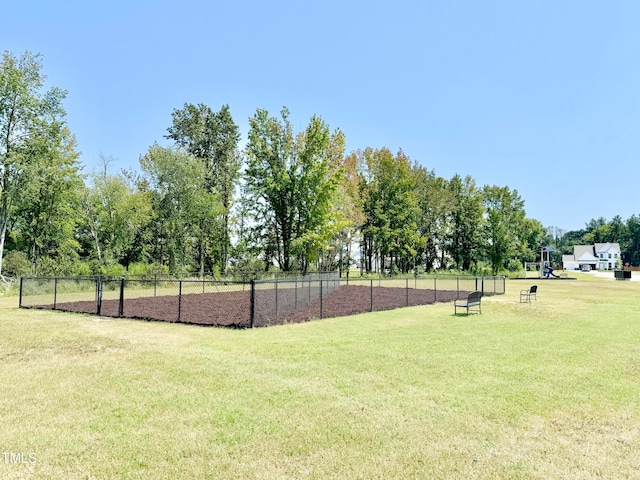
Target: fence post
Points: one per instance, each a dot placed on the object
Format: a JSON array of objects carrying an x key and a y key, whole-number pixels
[
  {"x": 320, "y": 299},
  {"x": 252, "y": 304},
  {"x": 435, "y": 289},
  {"x": 406, "y": 289},
  {"x": 371, "y": 293},
  {"x": 276, "y": 284},
  {"x": 121, "y": 304},
  {"x": 99, "y": 295},
  {"x": 482, "y": 286},
  {"x": 55, "y": 292},
  {"x": 155, "y": 284},
  {"x": 295, "y": 295},
  {"x": 457, "y": 287},
  {"x": 179, "y": 300}
]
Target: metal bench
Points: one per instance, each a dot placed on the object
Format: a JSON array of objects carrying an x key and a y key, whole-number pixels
[
  {"x": 527, "y": 295},
  {"x": 472, "y": 302}
]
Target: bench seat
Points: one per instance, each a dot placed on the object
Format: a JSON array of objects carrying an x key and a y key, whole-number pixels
[{"x": 471, "y": 303}]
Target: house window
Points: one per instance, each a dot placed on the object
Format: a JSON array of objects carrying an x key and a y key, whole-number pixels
[
  {"x": 602, "y": 255},
  {"x": 609, "y": 255}
]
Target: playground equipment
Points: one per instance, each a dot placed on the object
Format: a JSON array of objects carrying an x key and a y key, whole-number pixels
[
  {"x": 532, "y": 267},
  {"x": 540, "y": 266}
]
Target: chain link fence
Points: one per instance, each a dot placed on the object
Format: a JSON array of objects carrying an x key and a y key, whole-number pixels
[
  {"x": 276, "y": 299},
  {"x": 244, "y": 304}
]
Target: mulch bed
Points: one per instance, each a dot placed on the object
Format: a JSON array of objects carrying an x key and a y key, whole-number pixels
[
  {"x": 233, "y": 309},
  {"x": 354, "y": 299}
]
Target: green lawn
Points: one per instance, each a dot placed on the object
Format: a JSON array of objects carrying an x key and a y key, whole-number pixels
[{"x": 544, "y": 390}]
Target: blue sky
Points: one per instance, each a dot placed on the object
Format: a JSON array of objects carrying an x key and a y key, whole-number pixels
[{"x": 543, "y": 96}]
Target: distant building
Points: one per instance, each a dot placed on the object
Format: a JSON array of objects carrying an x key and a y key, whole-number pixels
[{"x": 600, "y": 256}]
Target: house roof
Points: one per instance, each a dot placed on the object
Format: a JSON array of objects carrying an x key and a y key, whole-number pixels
[
  {"x": 584, "y": 253},
  {"x": 607, "y": 247}
]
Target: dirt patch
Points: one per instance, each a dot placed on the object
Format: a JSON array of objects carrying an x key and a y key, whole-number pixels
[
  {"x": 233, "y": 309},
  {"x": 354, "y": 299}
]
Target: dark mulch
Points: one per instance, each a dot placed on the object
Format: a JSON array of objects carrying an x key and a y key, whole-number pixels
[
  {"x": 354, "y": 299},
  {"x": 228, "y": 309},
  {"x": 233, "y": 309}
]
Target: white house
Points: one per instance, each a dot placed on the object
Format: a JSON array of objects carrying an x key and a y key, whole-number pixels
[
  {"x": 608, "y": 255},
  {"x": 600, "y": 256}
]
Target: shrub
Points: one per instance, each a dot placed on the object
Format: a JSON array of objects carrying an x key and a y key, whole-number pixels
[
  {"x": 157, "y": 269},
  {"x": 81, "y": 269},
  {"x": 16, "y": 264},
  {"x": 115, "y": 269},
  {"x": 515, "y": 266}
]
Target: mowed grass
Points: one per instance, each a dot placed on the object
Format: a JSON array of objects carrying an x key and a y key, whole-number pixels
[{"x": 544, "y": 390}]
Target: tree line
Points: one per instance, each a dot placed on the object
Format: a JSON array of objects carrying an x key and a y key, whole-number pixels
[{"x": 295, "y": 201}]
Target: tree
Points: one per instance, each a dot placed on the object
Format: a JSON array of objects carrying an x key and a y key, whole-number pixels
[
  {"x": 529, "y": 238},
  {"x": 599, "y": 234},
  {"x": 618, "y": 231},
  {"x": 466, "y": 221},
  {"x": 181, "y": 204},
  {"x": 504, "y": 214},
  {"x": 571, "y": 238},
  {"x": 390, "y": 207},
  {"x": 47, "y": 211},
  {"x": 32, "y": 126},
  {"x": 212, "y": 137},
  {"x": 347, "y": 204},
  {"x": 434, "y": 208},
  {"x": 116, "y": 217},
  {"x": 291, "y": 180},
  {"x": 631, "y": 248}
]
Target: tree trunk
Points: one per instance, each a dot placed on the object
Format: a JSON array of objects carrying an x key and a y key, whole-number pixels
[
  {"x": 225, "y": 246},
  {"x": 3, "y": 233}
]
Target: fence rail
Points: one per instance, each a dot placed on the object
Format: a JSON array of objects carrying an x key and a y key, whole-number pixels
[{"x": 244, "y": 304}]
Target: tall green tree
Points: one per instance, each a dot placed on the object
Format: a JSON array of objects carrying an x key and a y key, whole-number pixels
[
  {"x": 598, "y": 232},
  {"x": 181, "y": 204},
  {"x": 46, "y": 213},
  {"x": 631, "y": 248},
  {"x": 291, "y": 180},
  {"x": 529, "y": 238},
  {"x": 32, "y": 131},
  {"x": 212, "y": 137},
  {"x": 348, "y": 205},
  {"x": 466, "y": 222},
  {"x": 434, "y": 208},
  {"x": 571, "y": 238},
  {"x": 390, "y": 206},
  {"x": 618, "y": 231},
  {"x": 504, "y": 214},
  {"x": 116, "y": 217}
]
